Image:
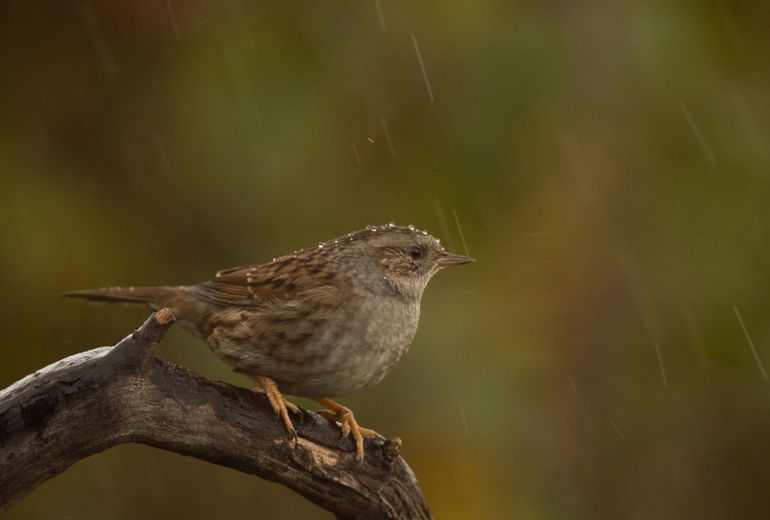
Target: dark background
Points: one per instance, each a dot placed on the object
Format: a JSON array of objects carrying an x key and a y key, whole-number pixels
[{"x": 607, "y": 161}]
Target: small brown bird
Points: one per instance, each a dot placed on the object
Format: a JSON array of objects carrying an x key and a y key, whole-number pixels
[{"x": 321, "y": 322}]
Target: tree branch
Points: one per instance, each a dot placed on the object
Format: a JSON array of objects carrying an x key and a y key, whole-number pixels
[{"x": 91, "y": 401}]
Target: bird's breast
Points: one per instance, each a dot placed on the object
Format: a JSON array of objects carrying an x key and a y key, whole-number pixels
[{"x": 388, "y": 326}]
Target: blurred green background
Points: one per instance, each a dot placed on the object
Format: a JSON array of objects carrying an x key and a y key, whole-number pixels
[{"x": 608, "y": 163}]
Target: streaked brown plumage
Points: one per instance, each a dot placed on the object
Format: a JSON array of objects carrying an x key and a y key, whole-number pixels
[{"x": 324, "y": 321}]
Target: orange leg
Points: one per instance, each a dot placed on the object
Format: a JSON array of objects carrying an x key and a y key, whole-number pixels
[
  {"x": 280, "y": 405},
  {"x": 343, "y": 415}
]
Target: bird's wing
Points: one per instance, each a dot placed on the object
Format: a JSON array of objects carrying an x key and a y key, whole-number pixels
[{"x": 282, "y": 279}]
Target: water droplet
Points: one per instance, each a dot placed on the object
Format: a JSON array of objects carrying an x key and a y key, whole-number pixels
[
  {"x": 320, "y": 246},
  {"x": 391, "y": 224},
  {"x": 410, "y": 227}
]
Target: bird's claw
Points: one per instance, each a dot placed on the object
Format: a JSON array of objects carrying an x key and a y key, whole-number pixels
[
  {"x": 280, "y": 405},
  {"x": 348, "y": 425}
]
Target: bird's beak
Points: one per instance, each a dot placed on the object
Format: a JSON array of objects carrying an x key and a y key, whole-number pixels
[{"x": 447, "y": 259}]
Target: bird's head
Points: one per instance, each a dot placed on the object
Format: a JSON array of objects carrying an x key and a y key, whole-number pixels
[{"x": 403, "y": 258}]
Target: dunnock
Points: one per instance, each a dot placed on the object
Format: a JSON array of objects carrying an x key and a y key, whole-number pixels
[{"x": 324, "y": 321}]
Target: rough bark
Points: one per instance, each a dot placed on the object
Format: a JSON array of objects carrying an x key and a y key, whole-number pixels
[{"x": 91, "y": 401}]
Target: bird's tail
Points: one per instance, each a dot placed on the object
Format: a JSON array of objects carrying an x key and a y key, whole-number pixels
[{"x": 153, "y": 297}]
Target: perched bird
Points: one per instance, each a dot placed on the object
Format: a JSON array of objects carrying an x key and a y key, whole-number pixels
[{"x": 325, "y": 321}]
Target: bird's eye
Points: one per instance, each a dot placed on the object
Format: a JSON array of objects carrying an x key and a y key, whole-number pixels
[{"x": 414, "y": 252}]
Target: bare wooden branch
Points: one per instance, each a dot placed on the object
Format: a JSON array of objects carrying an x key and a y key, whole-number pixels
[{"x": 91, "y": 401}]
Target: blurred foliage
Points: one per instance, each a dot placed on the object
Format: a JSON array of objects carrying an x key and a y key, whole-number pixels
[{"x": 608, "y": 163}]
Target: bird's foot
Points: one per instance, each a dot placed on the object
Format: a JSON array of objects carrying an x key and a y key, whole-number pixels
[
  {"x": 348, "y": 424},
  {"x": 278, "y": 402}
]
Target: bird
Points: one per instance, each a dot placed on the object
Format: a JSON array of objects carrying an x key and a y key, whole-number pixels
[{"x": 321, "y": 322}]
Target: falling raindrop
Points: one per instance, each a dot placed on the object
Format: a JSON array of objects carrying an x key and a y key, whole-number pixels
[
  {"x": 462, "y": 236},
  {"x": 751, "y": 343},
  {"x": 98, "y": 41},
  {"x": 660, "y": 363},
  {"x": 381, "y": 16},
  {"x": 617, "y": 430},
  {"x": 707, "y": 152},
  {"x": 172, "y": 17},
  {"x": 462, "y": 416},
  {"x": 422, "y": 67}
]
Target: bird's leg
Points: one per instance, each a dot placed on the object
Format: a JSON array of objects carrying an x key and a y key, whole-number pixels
[
  {"x": 279, "y": 404},
  {"x": 343, "y": 415}
]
